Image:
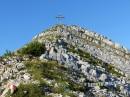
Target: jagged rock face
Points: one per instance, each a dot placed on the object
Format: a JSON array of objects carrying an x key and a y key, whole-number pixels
[
  {"x": 99, "y": 59},
  {"x": 97, "y": 45},
  {"x": 76, "y": 63}
]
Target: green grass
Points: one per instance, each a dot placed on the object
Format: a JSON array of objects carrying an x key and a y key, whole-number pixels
[
  {"x": 40, "y": 70},
  {"x": 50, "y": 70},
  {"x": 53, "y": 71},
  {"x": 32, "y": 90}
]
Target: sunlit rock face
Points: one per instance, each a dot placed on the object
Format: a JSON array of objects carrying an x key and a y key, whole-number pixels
[
  {"x": 103, "y": 62},
  {"x": 75, "y": 62},
  {"x": 96, "y": 44}
]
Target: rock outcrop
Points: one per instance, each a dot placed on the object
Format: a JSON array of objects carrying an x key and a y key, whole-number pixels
[
  {"x": 76, "y": 63},
  {"x": 96, "y": 44}
]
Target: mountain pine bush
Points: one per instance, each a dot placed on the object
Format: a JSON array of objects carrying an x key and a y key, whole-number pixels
[{"x": 34, "y": 48}]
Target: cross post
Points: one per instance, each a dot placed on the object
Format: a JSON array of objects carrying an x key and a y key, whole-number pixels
[{"x": 60, "y": 18}]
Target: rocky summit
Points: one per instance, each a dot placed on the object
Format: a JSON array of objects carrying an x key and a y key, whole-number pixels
[{"x": 66, "y": 61}]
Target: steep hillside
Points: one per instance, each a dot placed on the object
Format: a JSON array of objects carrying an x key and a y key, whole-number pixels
[{"x": 66, "y": 61}]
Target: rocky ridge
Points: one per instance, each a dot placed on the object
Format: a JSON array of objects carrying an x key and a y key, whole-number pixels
[
  {"x": 76, "y": 63},
  {"x": 97, "y": 45}
]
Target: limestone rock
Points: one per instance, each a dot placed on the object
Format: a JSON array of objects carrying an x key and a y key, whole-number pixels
[
  {"x": 27, "y": 76},
  {"x": 103, "y": 77},
  {"x": 20, "y": 66}
]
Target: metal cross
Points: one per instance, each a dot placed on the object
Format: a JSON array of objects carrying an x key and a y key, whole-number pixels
[{"x": 60, "y": 18}]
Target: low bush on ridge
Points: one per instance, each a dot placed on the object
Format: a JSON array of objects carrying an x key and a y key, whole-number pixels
[{"x": 34, "y": 48}]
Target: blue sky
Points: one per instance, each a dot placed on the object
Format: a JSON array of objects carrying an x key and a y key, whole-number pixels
[{"x": 20, "y": 20}]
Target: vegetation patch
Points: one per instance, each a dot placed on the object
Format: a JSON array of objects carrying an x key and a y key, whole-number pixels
[
  {"x": 53, "y": 71},
  {"x": 8, "y": 53},
  {"x": 29, "y": 90},
  {"x": 34, "y": 48}
]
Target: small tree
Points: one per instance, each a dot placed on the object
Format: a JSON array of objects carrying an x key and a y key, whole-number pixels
[{"x": 34, "y": 48}]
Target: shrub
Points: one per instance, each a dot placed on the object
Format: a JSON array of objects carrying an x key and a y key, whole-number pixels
[
  {"x": 34, "y": 48},
  {"x": 8, "y": 53}
]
